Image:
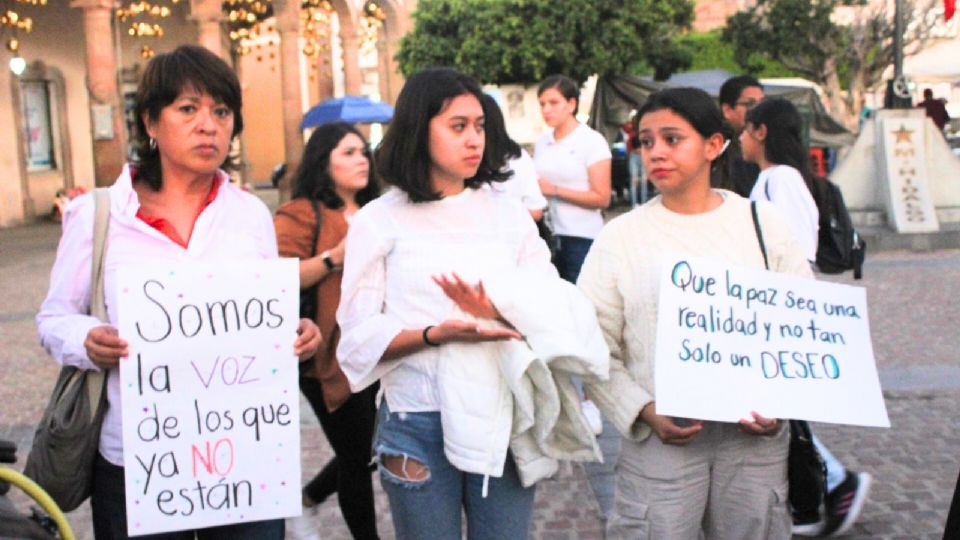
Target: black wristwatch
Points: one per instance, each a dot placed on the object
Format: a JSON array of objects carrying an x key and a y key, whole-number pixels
[{"x": 327, "y": 261}]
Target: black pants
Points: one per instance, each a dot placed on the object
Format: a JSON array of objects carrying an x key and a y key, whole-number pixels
[
  {"x": 109, "y": 507},
  {"x": 350, "y": 432}
]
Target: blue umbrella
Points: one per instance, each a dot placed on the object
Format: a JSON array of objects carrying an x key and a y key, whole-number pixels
[{"x": 350, "y": 109}]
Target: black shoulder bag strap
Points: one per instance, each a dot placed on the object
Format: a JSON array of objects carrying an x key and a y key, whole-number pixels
[{"x": 756, "y": 227}]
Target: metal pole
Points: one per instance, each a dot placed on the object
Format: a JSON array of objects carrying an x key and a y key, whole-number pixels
[
  {"x": 898, "y": 40},
  {"x": 898, "y": 92}
]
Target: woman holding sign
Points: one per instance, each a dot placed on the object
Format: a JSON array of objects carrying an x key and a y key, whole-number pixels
[
  {"x": 174, "y": 205},
  {"x": 333, "y": 181},
  {"x": 680, "y": 478},
  {"x": 434, "y": 340}
]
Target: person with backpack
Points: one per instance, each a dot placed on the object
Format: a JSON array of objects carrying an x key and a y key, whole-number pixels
[{"x": 772, "y": 138}]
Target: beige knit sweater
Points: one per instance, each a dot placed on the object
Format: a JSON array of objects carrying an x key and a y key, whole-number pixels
[{"x": 621, "y": 276}]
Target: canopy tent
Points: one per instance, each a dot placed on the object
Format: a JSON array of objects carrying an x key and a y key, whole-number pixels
[{"x": 617, "y": 96}]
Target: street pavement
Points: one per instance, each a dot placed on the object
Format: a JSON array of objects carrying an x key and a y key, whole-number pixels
[{"x": 915, "y": 322}]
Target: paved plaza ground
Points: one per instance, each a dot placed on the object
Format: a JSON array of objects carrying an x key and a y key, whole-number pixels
[{"x": 915, "y": 319}]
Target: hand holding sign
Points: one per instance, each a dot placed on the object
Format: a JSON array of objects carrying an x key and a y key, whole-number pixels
[
  {"x": 104, "y": 346},
  {"x": 666, "y": 428},
  {"x": 760, "y": 425}
]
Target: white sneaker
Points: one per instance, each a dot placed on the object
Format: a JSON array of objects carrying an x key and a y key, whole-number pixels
[
  {"x": 592, "y": 414},
  {"x": 303, "y": 527}
]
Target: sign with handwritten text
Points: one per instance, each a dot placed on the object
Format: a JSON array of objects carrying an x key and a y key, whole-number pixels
[
  {"x": 211, "y": 418},
  {"x": 731, "y": 340}
]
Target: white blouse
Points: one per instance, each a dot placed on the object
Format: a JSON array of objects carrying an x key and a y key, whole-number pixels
[
  {"x": 784, "y": 187},
  {"x": 522, "y": 184},
  {"x": 393, "y": 249}
]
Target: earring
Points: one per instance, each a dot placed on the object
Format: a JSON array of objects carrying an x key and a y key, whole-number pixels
[{"x": 152, "y": 143}]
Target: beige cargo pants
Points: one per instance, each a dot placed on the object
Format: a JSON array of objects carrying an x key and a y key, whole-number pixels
[{"x": 724, "y": 485}]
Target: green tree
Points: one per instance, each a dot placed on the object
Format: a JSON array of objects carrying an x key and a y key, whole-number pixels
[
  {"x": 843, "y": 45},
  {"x": 709, "y": 51},
  {"x": 522, "y": 41}
]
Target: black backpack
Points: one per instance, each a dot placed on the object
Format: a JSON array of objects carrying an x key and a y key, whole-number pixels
[{"x": 839, "y": 247}]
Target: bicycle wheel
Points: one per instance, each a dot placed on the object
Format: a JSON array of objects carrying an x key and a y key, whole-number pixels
[{"x": 40, "y": 496}]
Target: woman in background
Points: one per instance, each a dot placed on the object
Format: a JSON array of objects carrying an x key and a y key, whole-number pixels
[
  {"x": 772, "y": 138},
  {"x": 573, "y": 162},
  {"x": 333, "y": 181}
]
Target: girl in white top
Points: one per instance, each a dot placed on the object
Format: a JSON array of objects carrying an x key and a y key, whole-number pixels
[
  {"x": 692, "y": 477},
  {"x": 413, "y": 256},
  {"x": 573, "y": 162},
  {"x": 772, "y": 138}
]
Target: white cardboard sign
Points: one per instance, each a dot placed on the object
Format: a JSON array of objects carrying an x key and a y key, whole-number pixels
[
  {"x": 731, "y": 340},
  {"x": 211, "y": 418}
]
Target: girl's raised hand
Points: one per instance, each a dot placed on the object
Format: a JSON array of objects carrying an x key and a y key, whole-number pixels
[{"x": 469, "y": 298}]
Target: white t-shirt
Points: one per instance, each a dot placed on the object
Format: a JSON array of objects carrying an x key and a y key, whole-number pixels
[
  {"x": 394, "y": 247},
  {"x": 565, "y": 163},
  {"x": 522, "y": 185},
  {"x": 784, "y": 187}
]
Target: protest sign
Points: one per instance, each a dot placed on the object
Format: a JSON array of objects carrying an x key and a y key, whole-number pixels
[
  {"x": 211, "y": 418},
  {"x": 731, "y": 340}
]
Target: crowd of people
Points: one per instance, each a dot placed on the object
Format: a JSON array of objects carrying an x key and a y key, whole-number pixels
[{"x": 435, "y": 288}]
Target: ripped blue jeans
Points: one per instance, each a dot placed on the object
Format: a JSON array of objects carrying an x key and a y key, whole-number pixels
[{"x": 430, "y": 507}]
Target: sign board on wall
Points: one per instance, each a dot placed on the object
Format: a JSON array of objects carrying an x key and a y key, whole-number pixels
[
  {"x": 731, "y": 340},
  {"x": 211, "y": 421}
]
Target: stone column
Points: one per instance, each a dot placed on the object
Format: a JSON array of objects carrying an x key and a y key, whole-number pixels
[
  {"x": 207, "y": 15},
  {"x": 288, "y": 26},
  {"x": 352, "y": 78},
  {"x": 110, "y": 154},
  {"x": 325, "y": 73}
]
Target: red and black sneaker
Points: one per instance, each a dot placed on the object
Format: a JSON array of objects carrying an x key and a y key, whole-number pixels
[{"x": 845, "y": 502}]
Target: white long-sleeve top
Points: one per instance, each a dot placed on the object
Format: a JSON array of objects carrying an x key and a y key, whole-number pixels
[
  {"x": 393, "y": 249},
  {"x": 235, "y": 226},
  {"x": 784, "y": 187}
]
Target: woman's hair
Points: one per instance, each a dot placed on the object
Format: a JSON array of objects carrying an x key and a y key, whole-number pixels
[
  {"x": 403, "y": 156},
  {"x": 166, "y": 76},
  {"x": 312, "y": 179},
  {"x": 784, "y": 142},
  {"x": 701, "y": 111},
  {"x": 498, "y": 140},
  {"x": 563, "y": 84}
]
